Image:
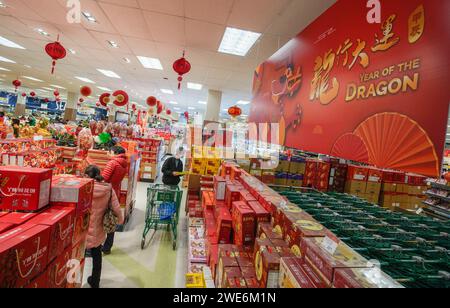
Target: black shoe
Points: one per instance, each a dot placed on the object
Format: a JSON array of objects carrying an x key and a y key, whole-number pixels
[
  {"x": 106, "y": 252},
  {"x": 92, "y": 284}
]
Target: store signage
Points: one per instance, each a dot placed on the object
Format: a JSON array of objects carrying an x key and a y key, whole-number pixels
[{"x": 365, "y": 91}]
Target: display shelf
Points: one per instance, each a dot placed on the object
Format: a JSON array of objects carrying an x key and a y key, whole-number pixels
[
  {"x": 446, "y": 199},
  {"x": 437, "y": 210},
  {"x": 439, "y": 186}
]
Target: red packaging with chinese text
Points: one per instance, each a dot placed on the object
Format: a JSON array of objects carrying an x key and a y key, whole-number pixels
[
  {"x": 224, "y": 226},
  {"x": 17, "y": 219},
  {"x": 23, "y": 255},
  {"x": 40, "y": 282},
  {"x": 232, "y": 194},
  {"x": 261, "y": 214},
  {"x": 61, "y": 222},
  {"x": 220, "y": 184},
  {"x": 5, "y": 227},
  {"x": 72, "y": 192},
  {"x": 57, "y": 271},
  {"x": 243, "y": 223},
  {"x": 24, "y": 189}
]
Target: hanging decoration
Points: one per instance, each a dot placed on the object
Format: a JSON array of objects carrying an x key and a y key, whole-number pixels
[
  {"x": 46, "y": 100},
  {"x": 32, "y": 94},
  {"x": 186, "y": 115},
  {"x": 133, "y": 107},
  {"x": 235, "y": 111},
  {"x": 56, "y": 51},
  {"x": 121, "y": 98},
  {"x": 17, "y": 83},
  {"x": 152, "y": 101},
  {"x": 168, "y": 112},
  {"x": 98, "y": 104},
  {"x": 105, "y": 99},
  {"x": 81, "y": 100},
  {"x": 151, "y": 110},
  {"x": 56, "y": 93},
  {"x": 24, "y": 94},
  {"x": 85, "y": 91},
  {"x": 160, "y": 109},
  {"x": 181, "y": 67}
]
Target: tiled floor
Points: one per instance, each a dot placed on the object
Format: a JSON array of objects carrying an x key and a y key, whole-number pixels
[{"x": 156, "y": 266}]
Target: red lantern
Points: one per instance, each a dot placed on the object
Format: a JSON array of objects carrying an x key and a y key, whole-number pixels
[
  {"x": 46, "y": 100},
  {"x": 105, "y": 99},
  {"x": 186, "y": 115},
  {"x": 24, "y": 94},
  {"x": 152, "y": 101},
  {"x": 81, "y": 100},
  {"x": 181, "y": 67},
  {"x": 235, "y": 111},
  {"x": 98, "y": 104},
  {"x": 86, "y": 91},
  {"x": 32, "y": 94},
  {"x": 56, "y": 51},
  {"x": 133, "y": 107},
  {"x": 160, "y": 109},
  {"x": 169, "y": 112},
  {"x": 122, "y": 98},
  {"x": 56, "y": 93},
  {"x": 17, "y": 83}
]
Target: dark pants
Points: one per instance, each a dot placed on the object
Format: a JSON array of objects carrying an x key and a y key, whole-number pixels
[
  {"x": 109, "y": 242},
  {"x": 96, "y": 266}
]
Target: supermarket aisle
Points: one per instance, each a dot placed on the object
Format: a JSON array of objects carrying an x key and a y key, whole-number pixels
[{"x": 158, "y": 266}]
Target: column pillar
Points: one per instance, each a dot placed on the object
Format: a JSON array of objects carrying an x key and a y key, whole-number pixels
[
  {"x": 20, "y": 106},
  {"x": 213, "y": 107},
  {"x": 71, "y": 107},
  {"x": 112, "y": 113}
]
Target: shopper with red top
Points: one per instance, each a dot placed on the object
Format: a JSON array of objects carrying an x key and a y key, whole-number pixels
[
  {"x": 115, "y": 171},
  {"x": 104, "y": 198}
]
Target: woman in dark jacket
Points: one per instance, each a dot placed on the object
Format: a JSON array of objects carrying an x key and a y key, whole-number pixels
[{"x": 172, "y": 169}]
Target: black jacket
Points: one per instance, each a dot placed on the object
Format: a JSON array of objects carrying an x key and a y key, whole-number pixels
[{"x": 170, "y": 166}]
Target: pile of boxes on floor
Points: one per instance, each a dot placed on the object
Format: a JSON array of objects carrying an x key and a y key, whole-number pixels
[
  {"x": 44, "y": 222},
  {"x": 251, "y": 237}
]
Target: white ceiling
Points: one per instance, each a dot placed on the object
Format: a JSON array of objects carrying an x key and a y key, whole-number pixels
[{"x": 151, "y": 28}]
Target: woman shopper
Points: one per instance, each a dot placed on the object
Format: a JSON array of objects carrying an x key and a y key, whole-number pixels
[
  {"x": 115, "y": 171},
  {"x": 104, "y": 197}
]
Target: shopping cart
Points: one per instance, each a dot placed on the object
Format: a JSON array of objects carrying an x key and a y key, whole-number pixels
[{"x": 163, "y": 209}]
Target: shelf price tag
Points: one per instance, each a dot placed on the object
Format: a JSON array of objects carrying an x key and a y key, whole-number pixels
[{"x": 329, "y": 245}]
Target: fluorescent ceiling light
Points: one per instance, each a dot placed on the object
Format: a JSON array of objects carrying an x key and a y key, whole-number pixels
[
  {"x": 176, "y": 108},
  {"x": 4, "y": 69},
  {"x": 3, "y": 59},
  {"x": 72, "y": 51},
  {"x": 56, "y": 86},
  {"x": 42, "y": 32},
  {"x": 191, "y": 108},
  {"x": 84, "y": 79},
  {"x": 7, "y": 43},
  {"x": 203, "y": 103},
  {"x": 167, "y": 91},
  {"x": 50, "y": 89},
  {"x": 226, "y": 110},
  {"x": 104, "y": 89},
  {"x": 243, "y": 102},
  {"x": 194, "y": 86},
  {"x": 113, "y": 44},
  {"x": 152, "y": 63},
  {"x": 89, "y": 17},
  {"x": 107, "y": 73},
  {"x": 27, "y": 66},
  {"x": 238, "y": 42},
  {"x": 2, "y": 5},
  {"x": 173, "y": 103},
  {"x": 32, "y": 78}
]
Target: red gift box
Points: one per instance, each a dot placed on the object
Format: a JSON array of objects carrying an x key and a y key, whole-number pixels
[
  {"x": 219, "y": 187},
  {"x": 57, "y": 271},
  {"x": 24, "y": 189},
  {"x": 5, "y": 227},
  {"x": 40, "y": 282},
  {"x": 72, "y": 192},
  {"x": 75, "y": 274},
  {"x": 61, "y": 222},
  {"x": 224, "y": 226},
  {"x": 357, "y": 173},
  {"x": 251, "y": 283},
  {"x": 243, "y": 223},
  {"x": 266, "y": 231},
  {"x": 232, "y": 194},
  {"x": 23, "y": 255},
  {"x": 3, "y": 214},
  {"x": 235, "y": 283},
  {"x": 261, "y": 214},
  {"x": 249, "y": 271},
  {"x": 235, "y": 173},
  {"x": 81, "y": 227},
  {"x": 17, "y": 219},
  {"x": 246, "y": 196}
]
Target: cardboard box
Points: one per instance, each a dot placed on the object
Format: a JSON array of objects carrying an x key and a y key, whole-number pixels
[
  {"x": 81, "y": 227},
  {"x": 61, "y": 223},
  {"x": 266, "y": 231},
  {"x": 236, "y": 283},
  {"x": 219, "y": 187},
  {"x": 243, "y": 223},
  {"x": 57, "y": 271},
  {"x": 224, "y": 226},
  {"x": 40, "y": 282},
  {"x": 363, "y": 278},
  {"x": 284, "y": 166},
  {"x": 225, "y": 262},
  {"x": 326, "y": 263},
  {"x": 232, "y": 194},
  {"x": 24, "y": 189},
  {"x": 374, "y": 175},
  {"x": 389, "y": 187},
  {"x": 23, "y": 255},
  {"x": 357, "y": 173},
  {"x": 72, "y": 192},
  {"x": 267, "y": 265},
  {"x": 261, "y": 214},
  {"x": 416, "y": 190},
  {"x": 296, "y": 274},
  {"x": 17, "y": 219},
  {"x": 355, "y": 187}
]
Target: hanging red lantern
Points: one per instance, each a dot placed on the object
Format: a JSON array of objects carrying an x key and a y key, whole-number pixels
[
  {"x": 235, "y": 111},
  {"x": 98, "y": 104},
  {"x": 86, "y": 91},
  {"x": 152, "y": 101},
  {"x": 32, "y": 94},
  {"x": 186, "y": 115},
  {"x": 24, "y": 94},
  {"x": 133, "y": 107},
  {"x": 46, "y": 100},
  {"x": 17, "y": 83},
  {"x": 168, "y": 112},
  {"x": 56, "y": 51},
  {"x": 105, "y": 99},
  {"x": 160, "y": 109},
  {"x": 181, "y": 67},
  {"x": 121, "y": 98},
  {"x": 81, "y": 100},
  {"x": 56, "y": 93}
]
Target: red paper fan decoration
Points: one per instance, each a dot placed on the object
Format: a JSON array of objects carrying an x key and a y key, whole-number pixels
[
  {"x": 105, "y": 99},
  {"x": 181, "y": 67},
  {"x": 56, "y": 51},
  {"x": 121, "y": 98},
  {"x": 351, "y": 147},
  {"x": 86, "y": 91},
  {"x": 17, "y": 83},
  {"x": 152, "y": 101},
  {"x": 397, "y": 142}
]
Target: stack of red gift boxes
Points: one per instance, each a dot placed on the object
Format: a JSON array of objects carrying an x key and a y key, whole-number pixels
[
  {"x": 43, "y": 228},
  {"x": 317, "y": 174},
  {"x": 255, "y": 238}
]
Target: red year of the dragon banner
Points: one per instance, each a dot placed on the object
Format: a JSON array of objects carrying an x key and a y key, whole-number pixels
[{"x": 373, "y": 93}]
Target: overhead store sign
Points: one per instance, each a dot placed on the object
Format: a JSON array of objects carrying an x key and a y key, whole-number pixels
[{"x": 374, "y": 93}]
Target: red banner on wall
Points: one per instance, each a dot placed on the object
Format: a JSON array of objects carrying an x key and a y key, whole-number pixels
[{"x": 374, "y": 93}]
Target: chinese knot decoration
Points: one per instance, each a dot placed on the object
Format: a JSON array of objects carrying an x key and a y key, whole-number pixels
[
  {"x": 181, "y": 67},
  {"x": 56, "y": 51},
  {"x": 234, "y": 111},
  {"x": 17, "y": 83}
]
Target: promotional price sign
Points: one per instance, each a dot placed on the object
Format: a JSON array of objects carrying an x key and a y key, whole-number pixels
[{"x": 370, "y": 92}]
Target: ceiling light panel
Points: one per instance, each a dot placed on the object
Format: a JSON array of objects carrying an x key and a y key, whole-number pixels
[
  {"x": 104, "y": 89},
  {"x": 32, "y": 78},
  {"x": 238, "y": 42},
  {"x": 194, "y": 86},
  {"x": 167, "y": 91},
  {"x": 84, "y": 79},
  {"x": 3, "y": 59},
  {"x": 7, "y": 43},
  {"x": 151, "y": 63},
  {"x": 89, "y": 17},
  {"x": 109, "y": 74}
]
